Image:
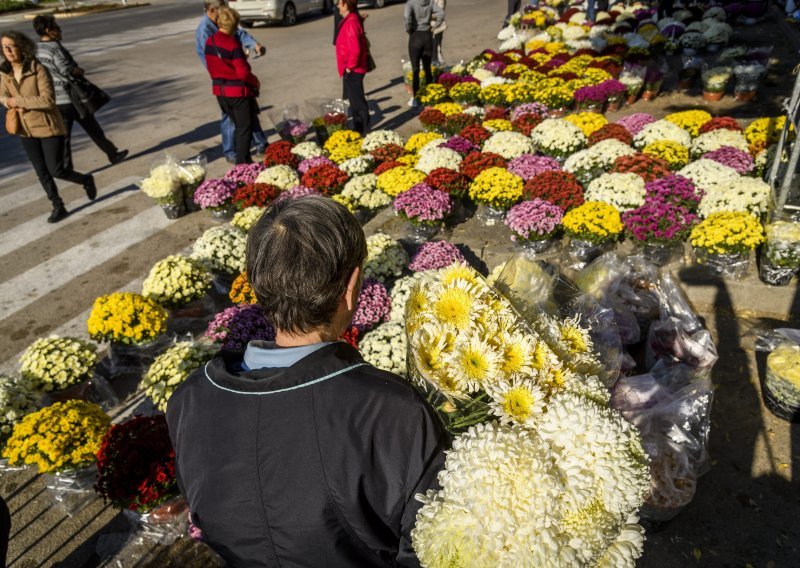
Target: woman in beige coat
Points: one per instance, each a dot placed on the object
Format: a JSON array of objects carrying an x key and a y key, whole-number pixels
[{"x": 27, "y": 89}]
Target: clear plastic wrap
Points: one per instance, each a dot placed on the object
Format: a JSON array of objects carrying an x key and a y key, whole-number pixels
[
  {"x": 489, "y": 216},
  {"x": 671, "y": 407},
  {"x": 72, "y": 489},
  {"x": 164, "y": 524},
  {"x": 328, "y": 116},
  {"x": 780, "y": 256},
  {"x": 130, "y": 360},
  {"x": 289, "y": 123},
  {"x": 662, "y": 254},
  {"x": 733, "y": 265},
  {"x": 96, "y": 390},
  {"x": 781, "y": 386},
  {"x": 192, "y": 172},
  {"x": 163, "y": 185},
  {"x": 581, "y": 252},
  {"x": 670, "y": 341}
]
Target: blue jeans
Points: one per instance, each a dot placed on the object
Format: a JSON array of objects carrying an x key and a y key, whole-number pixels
[{"x": 228, "y": 141}]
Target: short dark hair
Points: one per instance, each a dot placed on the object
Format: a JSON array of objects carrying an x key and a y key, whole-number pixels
[
  {"x": 300, "y": 255},
  {"x": 25, "y": 45},
  {"x": 352, "y": 5},
  {"x": 44, "y": 22}
]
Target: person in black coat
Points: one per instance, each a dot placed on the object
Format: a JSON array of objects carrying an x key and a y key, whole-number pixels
[{"x": 296, "y": 452}]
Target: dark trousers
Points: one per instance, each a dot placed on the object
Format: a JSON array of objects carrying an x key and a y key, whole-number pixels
[
  {"x": 665, "y": 8},
  {"x": 353, "y": 91},
  {"x": 47, "y": 158},
  {"x": 5, "y": 531},
  {"x": 513, "y": 6},
  {"x": 242, "y": 111},
  {"x": 420, "y": 49},
  {"x": 92, "y": 129}
]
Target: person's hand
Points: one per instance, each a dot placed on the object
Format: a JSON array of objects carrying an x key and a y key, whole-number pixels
[{"x": 10, "y": 102}]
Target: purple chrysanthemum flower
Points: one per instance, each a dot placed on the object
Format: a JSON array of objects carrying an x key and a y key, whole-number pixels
[
  {"x": 373, "y": 307},
  {"x": 435, "y": 255},
  {"x": 234, "y": 327}
]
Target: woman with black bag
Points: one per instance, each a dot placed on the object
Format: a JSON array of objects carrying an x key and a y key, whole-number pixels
[
  {"x": 69, "y": 84},
  {"x": 26, "y": 90}
]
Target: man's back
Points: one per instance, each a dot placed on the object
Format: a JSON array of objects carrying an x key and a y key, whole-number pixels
[{"x": 312, "y": 465}]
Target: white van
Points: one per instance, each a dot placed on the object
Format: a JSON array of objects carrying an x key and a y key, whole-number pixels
[{"x": 284, "y": 11}]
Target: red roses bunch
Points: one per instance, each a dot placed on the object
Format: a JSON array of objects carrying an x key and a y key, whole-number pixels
[
  {"x": 387, "y": 153},
  {"x": 475, "y": 162},
  {"x": 611, "y": 131},
  {"x": 648, "y": 167},
  {"x": 476, "y": 134},
  {"x": 136, "y": 464},
  {"x": 327, "y": 179},
  {"x": 280, "y": 154},
  {"x": 255, "y": 195},
  {"x": 451, "y": 182},
  {"x": 432, "y": 119},
  {"x": 556, "y": 187}
]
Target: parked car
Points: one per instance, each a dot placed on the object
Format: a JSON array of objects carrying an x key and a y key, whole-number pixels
[
  {"x": 271, "y": 11},
  {"x": 374, "y": 3}
]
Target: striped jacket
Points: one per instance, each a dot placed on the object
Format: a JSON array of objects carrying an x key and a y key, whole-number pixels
[
  {"x": 59, "y": 62},
  {"x": 228, "y": 67}
]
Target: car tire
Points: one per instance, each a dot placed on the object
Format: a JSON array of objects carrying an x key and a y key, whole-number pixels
[{"x": 289, "y": 14}]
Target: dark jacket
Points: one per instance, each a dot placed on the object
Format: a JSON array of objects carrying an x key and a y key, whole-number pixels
[{"x": 313, "y": 465}]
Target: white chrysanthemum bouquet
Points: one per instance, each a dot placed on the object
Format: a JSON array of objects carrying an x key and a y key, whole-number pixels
[{"x": 558, "y": 478}]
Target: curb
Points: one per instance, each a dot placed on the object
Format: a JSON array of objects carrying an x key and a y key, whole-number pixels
[{"x": 77, "y": 14}]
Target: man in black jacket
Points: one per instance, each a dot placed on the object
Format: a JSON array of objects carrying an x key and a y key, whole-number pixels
[{"x": 297, "y": 452}]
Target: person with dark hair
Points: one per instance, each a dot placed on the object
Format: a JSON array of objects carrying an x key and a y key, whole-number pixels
[
  {"x": 351, "y": 60},
  {"x": 26, "y": 89},
  {"x": 234, "y": 84},
  {"x": 297, "y": 452},
  {"x": 418, "y": 18},
  {"x": 207, "y": 28},
  {"x": 62, "y": 66}
]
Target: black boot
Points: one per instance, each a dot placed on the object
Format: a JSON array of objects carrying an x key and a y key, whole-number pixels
[
  {"x": 90, "y": 188},
  {"x": 59, "y": 212},
  {"x": 118, "y": 157}
]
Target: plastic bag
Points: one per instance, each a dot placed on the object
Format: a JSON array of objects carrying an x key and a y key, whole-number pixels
[
  {"x": 329, "y": 116},
  {"x": 581, "y": 252},
  {"x": 781, "y": 387},
  {"x": 130, "y": 361},
  {"x": 72, "y": 489},
  {"x": 670, "y": 341},
  {"x": 192, "y": 172},
  {"x": 671, "y": 408},
  {"x": 289, "y": 124},
  {"x": 164, "y": 524},
  {"x": 163, "y": 183},
  {"x": 780, "y": 255},
  {"x": 733, "y": 265},
  {"x": 96, "y": 390}
]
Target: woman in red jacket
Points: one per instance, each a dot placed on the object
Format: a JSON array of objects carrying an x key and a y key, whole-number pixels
[
  {"x": 234, "y": 85},
  {"x": 351, "y": 58}
]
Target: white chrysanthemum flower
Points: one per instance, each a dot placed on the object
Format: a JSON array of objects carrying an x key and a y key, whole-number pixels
[
  {"x": 400, "y": 293},
  {"x": 510, "y": 145},
  {"x": 709, "y": 175},
  {"x": 357, "y": 166},
  {"x": 716, "y": 139},
  {"x": 474, "y": 362},
  {"x": 306, "y": 150},
  {"x": 247, "y": 217},
  {"x": 433, "y": 158},
  {"x": 221, "y": 249},
  {"x": 378, "y": 138},
  {"x": 743, "y": 194},
  {"x": 519, "y": 401},
  {"x": 281, "y": 176},
  {"x": 624, "y": 191},
  {"x": 385, "y": 347},
  {"x": 386, "y": 258},
  {"x": 624, "y": 551},
  {"x": 558, "y": 137},
  {"x": 662, "y": 130},
  {"x": 17, "y": 399}
]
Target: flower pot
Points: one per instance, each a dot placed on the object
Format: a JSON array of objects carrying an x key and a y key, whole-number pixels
[
  {"x": 590, "y": 106},
  {"x": 489, "y": 216},
  {"x": 96, "y": 390},
  {"x": 557, "y": 112},
  {"x": 133, "y": 360},
  {"x": 533, "y": 246},
  {"x": 71, "y": 489},
  {"x": 732, "y": 265},
  {"x": 162, "y": 525},
  {"x": 661, "y": 254},
  {"x": 174, "y": 210},
  {"x": 649, "y": 95},
  {"x": 781, "y": 394},
  {"x": 224, "y": 213},
  {"x": 418, "y": 233},
  {"x": 614, "y": 104},
  {"x": 744, "y": 96},
  {"x": 774, "y": 275},
  {"x": 630, "y": 99},
  {"x": 188, "y": 198},
  {"x": 583, "y": 252},
  {"x": 713, "y": 96}
]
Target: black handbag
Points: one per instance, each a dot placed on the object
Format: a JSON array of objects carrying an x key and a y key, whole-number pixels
[{"x": 86, "y": 97}]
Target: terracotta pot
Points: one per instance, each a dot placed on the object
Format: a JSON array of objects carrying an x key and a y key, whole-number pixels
[
  {"x": 632, "y": 99},
  {"x": 745, "y": 96},
  {"x": 649, "y": 95},
  {"x": 685, "y": 84},
  {"x": 614, "y": 104},
  {"x": 713, "y": 96}
]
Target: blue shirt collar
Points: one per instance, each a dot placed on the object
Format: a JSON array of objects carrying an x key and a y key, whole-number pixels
[{"x": 266, "y": 354}]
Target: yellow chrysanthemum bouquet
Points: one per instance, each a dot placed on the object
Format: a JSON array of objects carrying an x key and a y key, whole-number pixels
[
  {"x": 126, "y": 318},
  {"x": 241, "y": 291},
  {"x": 55, "y": 363},
  {"x": 343, "y": 145},
  {"x": 594, "y": 221},
  {"x": 496, "y": 187},
  {"x": 525, "y": 421},
  {"x": 723, "y": 241},
  {"x": 66, "y": 435},
  {"x": 397, "y": 180}
]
